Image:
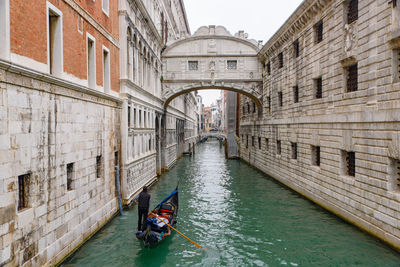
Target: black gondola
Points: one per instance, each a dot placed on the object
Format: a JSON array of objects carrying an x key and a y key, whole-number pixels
[{"x": 155, "y": 228}]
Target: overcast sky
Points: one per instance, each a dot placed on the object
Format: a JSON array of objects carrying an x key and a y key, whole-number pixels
[{"x": 259, "y": 18}]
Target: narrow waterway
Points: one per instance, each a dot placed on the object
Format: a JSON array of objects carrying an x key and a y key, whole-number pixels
[{"x": 242, "y": 217}]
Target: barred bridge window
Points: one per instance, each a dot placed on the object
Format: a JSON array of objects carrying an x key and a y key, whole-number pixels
[
  {"x": 352, "y": 11},
  {"x": 193, "y": 65},
  {"x": 232, "y": 64},
  {"x": 352, "y": 78},
  {"x": 316, "y": 155},
  {"x": 396, "y": 174}
]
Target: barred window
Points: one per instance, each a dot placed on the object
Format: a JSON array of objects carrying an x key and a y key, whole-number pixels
[
  {"x": 267, "y": 143},
  {"x": 252, "y": 141},
  {"x": 350, "y": 162},
  {"x": 243, "y": 110},
  {"x": 280, "y": 99},
  {"x": 99, "y": 166},
  {"x": 259, "y": 142},
  {"x": 247, "y": 141},
  {"x": 248, "y": 108},
  {"x": 232, "y": 64},
  {"x": 269, "y": 104},
  {"x": 352, "y": 78},
  {"x": 319, "y": 30},
  {"x": 23, "y": 190},
  {"x": 269, "y": 68},
  {"x": 294, "y": 150},
  {"x": 296, "y": 48},
  {"x": 193, "y": 65},
  {"x": 318, "y": 87},
  {"x": 254, "y": 107},
  {"x": 316, "y": 155},
  {"x": 280, "y": 60},
  {"x": 296, "y": 94},
  {"x": 395, "y": 181},
  {"x": 352, "y": 11},
  {"x": 70, "y": 175},
  {"x": 278, "y": 147}
]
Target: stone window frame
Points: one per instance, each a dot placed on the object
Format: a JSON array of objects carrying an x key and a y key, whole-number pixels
[
  {"x": 105, "y": 7},
  {"x": 278, "y": 147},
  {"x": 280, "y": 99},
  {"x": 296, "y": 98},
  {"x": 315, "y": 156},
  {"x": 91, "y": 61},
  {"x": 70, "y": 175},
  {"x": 231, "y": 64},
  {"x": 55, "y": 50},
  {"x": 318, "y": 31},
  {"x": 394, "y": 175},
  {"x": 348, "y": 163},
  {"x": 294, "y": 151},
  {"x": 5, "y": 50},
  {"x": 106, "y": 69},
  {"x": 24, "y": 184},
  {"x": 318, "y": 87},
  {"x": 193, "y": 65},
  {"x": 352, "y": 11}
]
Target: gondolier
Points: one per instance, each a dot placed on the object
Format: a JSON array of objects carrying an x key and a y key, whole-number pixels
[{"x": 143, "y": 207}]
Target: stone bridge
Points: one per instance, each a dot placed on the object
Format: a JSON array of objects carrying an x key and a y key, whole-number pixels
[
  {"x": 213, "y": 134},
  {"x": 212, "y": 59}
]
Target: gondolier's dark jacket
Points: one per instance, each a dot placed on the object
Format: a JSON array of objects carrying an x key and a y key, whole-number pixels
[{"x": 144, "y": 200}]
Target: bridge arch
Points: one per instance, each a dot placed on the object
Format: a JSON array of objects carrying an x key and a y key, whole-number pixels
[{"x": 212, "y": 58}]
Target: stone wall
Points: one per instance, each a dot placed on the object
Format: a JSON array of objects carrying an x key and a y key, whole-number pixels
[
  {"x": 308, "y": 141},
  {"x": 47, "y": 125}
]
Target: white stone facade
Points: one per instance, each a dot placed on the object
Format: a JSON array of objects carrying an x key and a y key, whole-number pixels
[
  {"x": 47, "y": 124},
  {"x": 328, "y": 131}
]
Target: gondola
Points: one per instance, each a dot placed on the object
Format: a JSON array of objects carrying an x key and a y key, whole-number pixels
[{"x": 154, "y": 227}]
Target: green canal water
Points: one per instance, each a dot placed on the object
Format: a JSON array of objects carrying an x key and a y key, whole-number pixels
[{"x": 242, "y": 217}]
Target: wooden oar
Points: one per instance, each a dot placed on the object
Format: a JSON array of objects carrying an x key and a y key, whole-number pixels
[{"x": 197, "y": 245}]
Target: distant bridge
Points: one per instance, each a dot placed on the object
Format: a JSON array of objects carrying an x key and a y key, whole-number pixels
[{"x": 218, "y": 134}]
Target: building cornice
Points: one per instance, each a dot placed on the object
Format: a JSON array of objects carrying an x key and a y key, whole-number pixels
[
  {"x": 295, "y": 23},
  {"x": 82, "y": 90}
]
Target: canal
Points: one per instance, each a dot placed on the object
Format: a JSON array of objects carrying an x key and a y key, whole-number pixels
[{"x": 242, "y": 217}]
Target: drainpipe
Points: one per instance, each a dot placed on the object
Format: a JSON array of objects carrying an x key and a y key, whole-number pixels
[{"x": 118, "y": 190}]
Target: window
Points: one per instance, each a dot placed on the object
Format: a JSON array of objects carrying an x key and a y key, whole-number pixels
[
  {"x": 259, "y": 142},
  {"x": 150, "y": 144},
  {"x": 252, "y": 141},
  {"x": 280, "y": 60},
  {"x": 247, "y": 141},
  {"x": 269, "y": 104},
  {"x": 296, "y": 94},
  {"x": 134, "y": 118},
  {"x": 248, "y": 108},
  {"x": 352, "y": 78},
  {"x": 319, "y": 30},
  {"x": 316, "y": 155},
  {"x": 349, "y": 163},
  {"x": 243, "y": 110},
  {"x": 91, "y": 61},
  {"x": 5, "y": 29},
  {"x": 106, "y": 6},
  {"x": 106, "y": 69},
  {"x": 140, "y": 118},
  {"x": 278, "y": 147},
  {"x": 294, "y": 150},
  {"x": 269, "y": 68},
  {"x": 254, "y": 107},
  {"x": 296, "y": 48},
  {"x": 70, "y": 175},
  {"x": 129, "y": 117},
  {"x": 352, "y": 11},
  {"x": 395, "y": 177},
  {"x": 54, "y": 42},
  {"x": 193, "y": 65},
  {"x": 280, "y": 99},
  {"x": 23, "y": 190},
  {"x": 232, "y": 64},
  {"x": 99, "y": 168},
  {"x": 116, "y": 158},
  {"x": 267, "y": 143},
  {"x": 318, "y": 87}
]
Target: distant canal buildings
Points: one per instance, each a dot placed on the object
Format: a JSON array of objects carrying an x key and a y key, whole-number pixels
[{"x": 89, "y": 85}]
